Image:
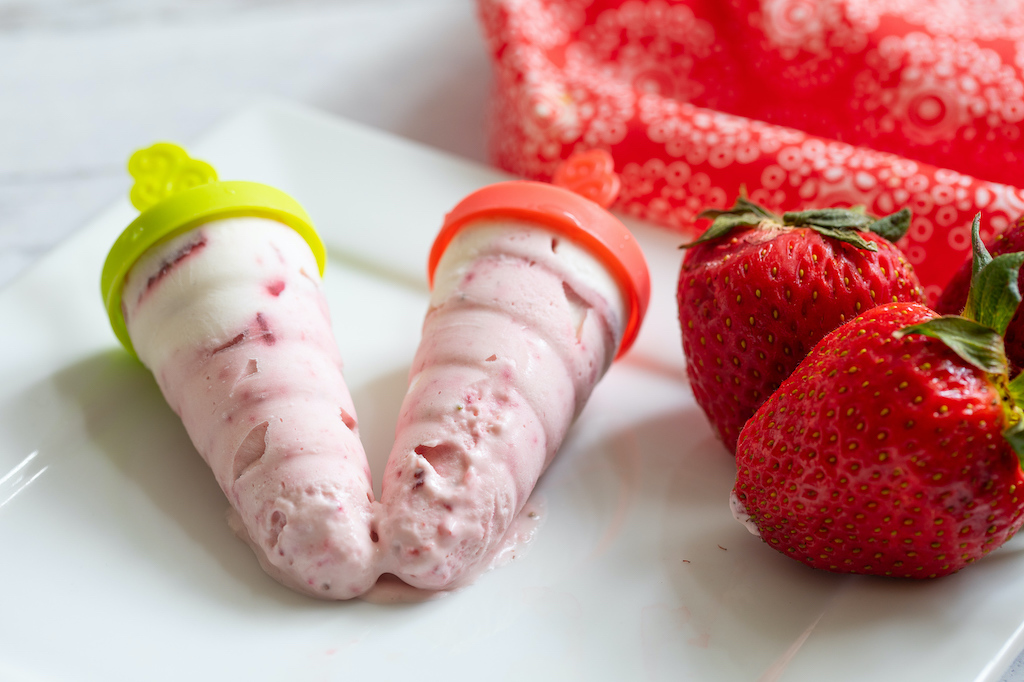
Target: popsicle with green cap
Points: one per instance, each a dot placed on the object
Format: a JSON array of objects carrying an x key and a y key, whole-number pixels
[
  {"x": 216, "y": 288},
  {"x": 536, "y": 290}
]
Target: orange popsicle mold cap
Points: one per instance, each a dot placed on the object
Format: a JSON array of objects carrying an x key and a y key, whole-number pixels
[{"x": 563, "y": 211}]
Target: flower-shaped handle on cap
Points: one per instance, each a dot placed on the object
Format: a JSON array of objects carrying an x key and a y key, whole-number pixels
[
  {"x": 162, "y": 170},
  {"x": 590, "y": 174}
]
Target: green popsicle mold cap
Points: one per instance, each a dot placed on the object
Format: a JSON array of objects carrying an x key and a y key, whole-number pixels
[{"x": 176, "y": 193}]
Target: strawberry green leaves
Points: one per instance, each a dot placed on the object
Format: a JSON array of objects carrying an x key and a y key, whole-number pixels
[
  {"x": 977, "y": 334},
  {"x": 845, "y": 234},
  {"x": 974, "y": 342},
  {"x": 723, "y": 224},
  {"x": 1014, "y": 435},
  {"x": 838, "y": 218},
  {"x": 744, "y": 213},
  {"x": 843, "y": 224},
  {"x": 743, "y": 205},
  {"x": 893, "y": 226},
  {"x": 994, "y": 295}
]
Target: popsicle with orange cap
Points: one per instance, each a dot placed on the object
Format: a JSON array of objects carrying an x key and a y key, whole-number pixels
[
  {"x": 216, "y": 288},
  {"x": 535, "y": 290}
]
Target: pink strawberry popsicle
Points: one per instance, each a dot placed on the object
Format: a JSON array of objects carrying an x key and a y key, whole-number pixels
[
  {"x": 225, "y": 307},
  {"x": 535, "y": 291}
]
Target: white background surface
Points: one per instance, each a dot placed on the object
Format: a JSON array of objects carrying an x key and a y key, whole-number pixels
[{"x": 84, "y": 83}]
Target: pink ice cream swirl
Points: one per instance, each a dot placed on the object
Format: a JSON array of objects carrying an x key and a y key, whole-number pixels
[
  {"x": 522, "y": 324},
  {"x": 231, "y": 319}
]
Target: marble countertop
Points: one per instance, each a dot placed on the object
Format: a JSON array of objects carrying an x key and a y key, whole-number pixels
[{"x": 86, "y": 82}]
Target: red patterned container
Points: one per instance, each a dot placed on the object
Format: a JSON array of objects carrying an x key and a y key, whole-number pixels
[{"x": 885, "y": 103}]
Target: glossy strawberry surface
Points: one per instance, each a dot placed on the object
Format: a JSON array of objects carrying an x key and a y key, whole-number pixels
[
  {"x": 882, "y": 455},
  {"x": 753, "y": 303}
]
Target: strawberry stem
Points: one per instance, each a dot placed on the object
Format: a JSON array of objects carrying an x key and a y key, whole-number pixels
[{"x": 844, "y": 224}]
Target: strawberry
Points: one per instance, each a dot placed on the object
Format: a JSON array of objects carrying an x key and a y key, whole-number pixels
[
  {"x": 894, "y": 448},
  {"x": 954, "y": 296},
  {"x": 756, "y": 292}
]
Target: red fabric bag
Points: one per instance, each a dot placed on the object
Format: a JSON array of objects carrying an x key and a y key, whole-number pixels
[{"x": 883, "y": 103}]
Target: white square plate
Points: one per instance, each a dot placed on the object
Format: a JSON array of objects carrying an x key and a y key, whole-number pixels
[{"x": 118, "y": 564}]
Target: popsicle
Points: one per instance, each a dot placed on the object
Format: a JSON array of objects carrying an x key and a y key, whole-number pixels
[
  {"x": 216, "y": 288},
  {"x": 535, "y": 290}
]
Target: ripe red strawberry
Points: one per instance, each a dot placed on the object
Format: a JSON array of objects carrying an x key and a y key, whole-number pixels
[
  {"x": 893, "y": 449},
  {"x": 954, "y": 296},
  {"x": 756, "y": 292}
]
